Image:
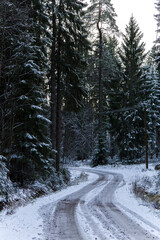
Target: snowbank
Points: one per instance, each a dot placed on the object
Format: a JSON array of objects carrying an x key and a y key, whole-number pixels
[{"x": 27, "y": 223}]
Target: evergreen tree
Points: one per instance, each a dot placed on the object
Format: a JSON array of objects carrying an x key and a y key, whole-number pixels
[
  {"x": 131, "y": 135},
  {"x": 25, "y": 143},
  {"x": 152, "y": 91},
  {"x": 5, "y": 183},
  {"x": 79, "y": 139},
  {"x": 113, "y": 86},
  {"x": 101, "y": 13},
  {"x": 67, "y": 61},
  {"x": 156, "y": 56},
  {"x": 157, "y": 41}
]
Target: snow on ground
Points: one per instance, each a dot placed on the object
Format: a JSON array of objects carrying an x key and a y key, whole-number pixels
[
  {"x": 27, "y": 224},
  {"x": 126, "y": 200}
]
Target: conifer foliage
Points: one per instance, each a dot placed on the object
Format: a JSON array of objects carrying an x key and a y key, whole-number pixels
[
  {"x": 156, "y": 56},
  {"x": 68, "y": 63},
  {"x": 131, "y": 137},
  {"x": 68, "y": 90},
  {"x": 30, "y": 31},
  {"x": 24, "y": 127},
  {"x": 101, "y": 13}
]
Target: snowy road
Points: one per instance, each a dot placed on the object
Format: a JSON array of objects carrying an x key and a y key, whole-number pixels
[{"x": 91, "y": 213}]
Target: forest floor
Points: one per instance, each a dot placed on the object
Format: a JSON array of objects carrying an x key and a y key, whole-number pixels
[{"x": 102, "y": 207}]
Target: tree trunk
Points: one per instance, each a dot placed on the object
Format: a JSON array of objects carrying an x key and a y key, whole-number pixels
[
  {"x": 53, "y": 80},
  {"x": 2, "y": 42},
  {"x": 100, "y": 71},
  {"x": 2, "y": 85},
  {"x": 58, "y": 115},
  {"x": 11, "y": 132},
  {"x": 146, "y": 136}
]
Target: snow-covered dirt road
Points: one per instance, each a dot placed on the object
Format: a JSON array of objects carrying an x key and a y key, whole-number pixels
[
  {"x": 92, "y": 213},
  {"x": 103, "y": 207}
]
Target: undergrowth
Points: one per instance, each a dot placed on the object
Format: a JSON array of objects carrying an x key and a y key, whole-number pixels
[
  {"x": 81, "y": 178},
  {"x": 22, "y": 196},
  {"x": 147, "y": 191}
]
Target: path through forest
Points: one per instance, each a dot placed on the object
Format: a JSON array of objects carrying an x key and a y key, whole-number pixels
[{"x": 92, "y": 211}]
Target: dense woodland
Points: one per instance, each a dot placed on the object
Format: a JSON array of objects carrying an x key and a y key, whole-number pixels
[{"x": 73, "y": 87}]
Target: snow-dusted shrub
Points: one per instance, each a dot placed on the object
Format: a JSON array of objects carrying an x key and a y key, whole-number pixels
[
  {"x": 80, "y": 178},
  {"x": 65, "y": 175},
  {"x": 139, "y": 189},
  {"x": 158, "y": 182},
  {"x": 157, "y": 167},
  {"x": 147, "y": 189},
  {"x": 38, "y": 189},
  {"x": 51, "y": 181},
  {"x": 100, "y": 156},
  {"x": 5, "y": 183}
]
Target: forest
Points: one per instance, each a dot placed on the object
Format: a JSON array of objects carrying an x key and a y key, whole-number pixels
[{"x": 73, "y": 87}]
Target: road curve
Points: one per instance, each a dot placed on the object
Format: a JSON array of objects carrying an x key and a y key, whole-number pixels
[{"x": 92, "y": 210}]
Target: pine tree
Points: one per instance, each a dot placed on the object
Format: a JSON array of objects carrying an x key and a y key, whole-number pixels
[
  {"x": 157, "y": 41},
  {"x": 79, "y": 138},
  {"x": 152, "y": 91},
  {"x": 113, "y": 86},
  {"x": 26, "y": 143},
  {"x": 67, "y": 60},
  {"x": 101, "y": 13},
  {"x": 156, "y": 55},
  {"x": 131, "y": 136},
  {"x": 6, "y": 186}
]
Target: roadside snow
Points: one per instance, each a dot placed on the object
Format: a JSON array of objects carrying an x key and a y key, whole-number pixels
[
  {"x": 144, "y": 214},
  {"x": 26, "y": 223}
]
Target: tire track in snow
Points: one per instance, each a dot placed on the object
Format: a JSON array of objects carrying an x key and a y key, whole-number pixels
[
  {"x": 64, "y": 224},
  {"x": 91, "y": 213}
]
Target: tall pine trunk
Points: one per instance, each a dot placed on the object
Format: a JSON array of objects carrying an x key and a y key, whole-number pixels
[
  {"x": 58, "y": 110},
  {"x": 2, "y": 85},
  {"x": 53, "y": 80},
  {"x": 100, "y": 72}
]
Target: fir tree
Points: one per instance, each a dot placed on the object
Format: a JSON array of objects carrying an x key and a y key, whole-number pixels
[
  {"x": 131, "y": 136},
  {"x": 67, "y": 60},
  {"x": 101, "y": 13},
  {"x": 156, "y": 56},
  {"x": 26, "y": 143},
  {"x": 6, "y": 186},
  {"x": 151, "y": 86},
  {"x": 113, "y": 86}
]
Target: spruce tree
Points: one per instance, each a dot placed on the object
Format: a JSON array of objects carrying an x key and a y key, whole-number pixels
[
  {"x": 26, "y": 143},
  {"x": 131, "y": 135},
  {"x": 67, "y": 64},
  {"x": 152, "y": 94},
  {"x": 101, "y": 13},
  {"x": 113, "y": 89},
  {"x": 6, "y": 186},
  {"x": 156, "y": 56}
]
